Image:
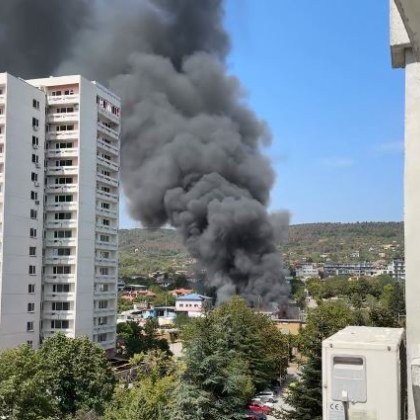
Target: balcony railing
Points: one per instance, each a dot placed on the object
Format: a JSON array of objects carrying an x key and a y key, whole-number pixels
[
  {"x": 63, "y": 99},
  {"x": 106, "y": 261},
  {"x": 58, "y": 297},
  {"x": 108, "y": 147},
  {"x": 109, "y": 164},
  {"x": 70, "y": 259},
  {"x": 2, "y": 119},
  {"x": 50, "y": 314},
  {"x": 107, "y": 180},
  {"x": 2, "y": 99},
  {"x": 105, "y": 196},
  {"x": 108, "y": 114},
  {"x": 59, "y": 117},
  {"x": 54, "y": 224},
  {"x": 59, "y": 278},
  {"x": 61, "y": 206},
  {"x": 62, "y": 135},
  {"x": 105, "y": 212},
  {"x": 108, "y": 131},
  {"x": 106, "y": 229},
  {"x": 57, "y": 153},
  {"x": 106, "y": 245},
  {"x": 62, "y": 170},
  {"x": 61, "y": 242},
  {"x": 62, "y": 188}
]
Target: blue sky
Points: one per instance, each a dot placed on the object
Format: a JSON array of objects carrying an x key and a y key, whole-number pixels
[{"x": 319, "y": 73}]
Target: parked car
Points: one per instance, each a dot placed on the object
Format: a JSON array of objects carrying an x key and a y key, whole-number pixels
[
  {"x": 267, "y": 393},
  {"x": 269, "y": 402},
  {"x": 259, "y": 407},
  {"x": 252, "y": 415}
]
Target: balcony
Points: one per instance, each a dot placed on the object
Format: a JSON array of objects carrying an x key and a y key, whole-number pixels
[
  {"x": 59, "y": 278},
  {"x": 108, "y": 114},
  {"x": 106, "y": 229},
  {"x": 2, "y": 138},
  {"x": 2, "y": 119},
  {"x": 50, "y": 314},
  {"x": 98, "y": 329},
  {"x": 61, "y": 206},
  {"x": 106, "y": 295},
  {"x": 62, "y": 170},
  {"x": 106, "y": 245},
  {"x": 105, "y": 311},
  {"x": 105, "y": 196},
  {"x": 59, "y": 297},
  {"x": 61, "y": 242},
  {"x": 71, "y": 259},
  {"x": 62, "y": 188},
  {"x": 108, "y": 344},
  {"x": 63, "y": 135},
  {"x": 63, "y": 117},
  {"x": 56, "y": 224},
  {"x": 2, "y": 99},
  {"x": 108, "y": 147},
  {"x": 63, "y": 99},
  {"x": 107, "y": 180},
  {"x": 105, "y": 212},
  {"x": 106, "y": 261},
  {"x": 1, "y": 157},
  {"x": 108, "y": 164},
  {"x": 58, "y": 153},
  {"x": 108, "y": 131},
  {"x": 102, "y": 278}
]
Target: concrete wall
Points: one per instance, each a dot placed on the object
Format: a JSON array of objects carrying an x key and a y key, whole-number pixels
[{"x": 17, "y": 203}]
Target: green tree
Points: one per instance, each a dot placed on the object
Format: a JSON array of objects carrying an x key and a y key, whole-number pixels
[
  {"x": 23, "y": 390},
  {"x": 305, "y": 396},
  {"x": 77, "y": 374}
]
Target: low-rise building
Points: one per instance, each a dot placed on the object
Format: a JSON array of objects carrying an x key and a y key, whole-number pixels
[
  {"x": 307, "y": 271},
  {"x": 193, "y": 304}
]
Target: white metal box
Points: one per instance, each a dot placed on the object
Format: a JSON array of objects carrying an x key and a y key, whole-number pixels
[{"x": 364, "y": 374}]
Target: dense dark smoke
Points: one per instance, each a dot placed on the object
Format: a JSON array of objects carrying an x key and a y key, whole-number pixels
[
  {"x": 191, "y": 146},
  {"x": 35, "y": 35}
]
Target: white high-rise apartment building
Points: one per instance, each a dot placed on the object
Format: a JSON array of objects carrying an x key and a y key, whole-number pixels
[{"x": 59, "y": 166}]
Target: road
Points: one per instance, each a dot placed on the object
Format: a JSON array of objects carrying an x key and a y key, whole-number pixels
[{"x": 291, "y": 375}]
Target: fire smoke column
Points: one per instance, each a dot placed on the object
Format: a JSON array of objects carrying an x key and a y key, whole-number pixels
[{"x": 190, "y": 147}]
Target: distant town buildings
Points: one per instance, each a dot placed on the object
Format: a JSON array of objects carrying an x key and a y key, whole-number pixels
[
  {"x": 193, "y": 304},
  {"x": 59, "y": 166}
]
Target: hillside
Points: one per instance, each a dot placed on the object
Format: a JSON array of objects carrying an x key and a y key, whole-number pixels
[{"x": 144, "y": 251}]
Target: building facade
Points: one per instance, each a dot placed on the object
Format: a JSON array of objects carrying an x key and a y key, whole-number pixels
[
  {"x": 405, "y": 52},
  {"x": 59, "y": 208}
]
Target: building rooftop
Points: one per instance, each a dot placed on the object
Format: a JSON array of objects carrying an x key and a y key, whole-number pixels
[{"x": 193, "y": 296}]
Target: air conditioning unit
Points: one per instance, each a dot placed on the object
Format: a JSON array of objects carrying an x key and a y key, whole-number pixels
[
  {"x": 35, "y": 146},
  {"x": 363, "y": 374},
  {"x": 36, "y": 183},
  {"x": 38, "y": 165}
]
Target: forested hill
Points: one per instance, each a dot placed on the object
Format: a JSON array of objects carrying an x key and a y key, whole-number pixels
[{"x": 145, "y": 251}]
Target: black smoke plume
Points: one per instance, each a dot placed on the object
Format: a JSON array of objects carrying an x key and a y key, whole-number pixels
[{"x": 190, "y": 146}]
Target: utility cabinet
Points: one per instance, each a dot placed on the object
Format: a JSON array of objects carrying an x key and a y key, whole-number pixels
[{"x": 364, "y": 374}]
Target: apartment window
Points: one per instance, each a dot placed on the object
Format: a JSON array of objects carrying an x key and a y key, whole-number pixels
[
  {"x": 69, "y": 92},
  {"x": 106, "y": 173},
  {"x": 32, "y": 232},
  {"x": 62, "y": 216},
  {"x": 105, "y": 222},
  {"x": 64, "y": 162},
  {"x": 35, "y": 158},
  {"x": 103, "y": 288},
  {"x": 69, "y": 127},
  {"x": 35, "y": 103},
  {"x": 62, "y": 234},
  {"x": 35, "y": 123},
  {"x": 34, "y": 195},
  {"x": 101, "y": 338},
  {"x": 63, "y": 198},
  {"x": 56, "y": 93},
  {"x": 64, "y": 110},
  {"x": 63, "y": 252},
  {"x": 104, "y": 238},
  {"x": 32, "y": 251},
  {"x": 34, "y": 176},
  {"x": 32, "y": 270},
  {"x": 103, "y": 304},
  {"x": 29, "y": 343},
  {"x": 105, "y": 206},
  {"x": 31, "y": 307},
  {"x": 104, "y": 254},
  {"x": 31, "y": 288},
  {"x": 61, "y": 306},
  {"x": 29, "y": 326},
  {"x": 61, "y": 324},
  {"x": 106, "y": 189},
  {"x": 107, "y": 157},
  {"x": 64, "y": 180},
  {"x": 35, "y": 141},
  {"x": 104, "y": 271},
  {"x": 102, "y": 320},
  {"x": 61, "y": 288},
  {"x": 33, "y": 214},
  {"x": 62, "y": 269}
]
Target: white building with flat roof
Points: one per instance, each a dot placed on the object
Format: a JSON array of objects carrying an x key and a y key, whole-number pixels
[{"x": 59, "y": 165}]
